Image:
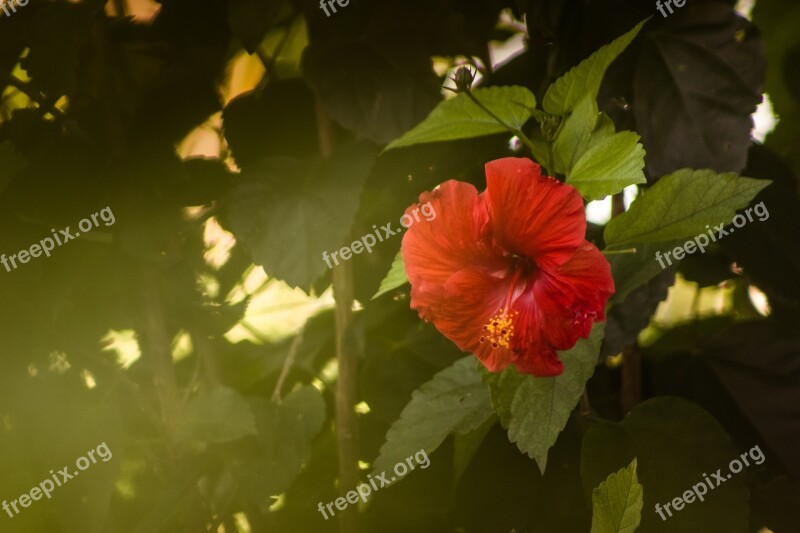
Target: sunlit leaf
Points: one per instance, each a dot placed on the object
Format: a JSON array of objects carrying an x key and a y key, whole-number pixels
[
  {"x": 617, "y": 502},
  {"x": 461, "y": 118},
  {"x": 682, "y": 204}
]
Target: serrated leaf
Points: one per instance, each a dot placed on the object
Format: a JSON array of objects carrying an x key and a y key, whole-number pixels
[
  {"x": 585, "y": 78},
  {"x": 698, "y": 80},
  {"x": 454, "y": 400},
  {"x": 573, "y": 138},
  {"x": 217, "y": 415},
  {"x": 617, "y": 502},
  {"x": 635, "y": 269},
  {"x": 283, "y": 443},
  {"x": 461, "y": 118},
  {"x": 674, "y": 442},
  {"x": 534, "y": 410},
  {"x": 377, "y": 91},
  {"x": 396, "y": 277},
  {"x": 609, "y": 166},
  {"x": 681, "y": 204},
  {"x": 287, "y": 212},
  {"x": 466, "y": 445}
]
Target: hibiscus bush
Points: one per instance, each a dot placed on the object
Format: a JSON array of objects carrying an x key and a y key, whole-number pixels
[{"x": 547, "y": 246}]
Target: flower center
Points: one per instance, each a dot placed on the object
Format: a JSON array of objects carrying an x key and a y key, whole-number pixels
[{"x": 499, "y": 330}]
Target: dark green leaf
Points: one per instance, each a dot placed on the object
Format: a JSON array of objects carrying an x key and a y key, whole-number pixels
[
  {"x": 375, "y": 93},
  {"x": 698, "y": 80},
  {"x": 396, "y": 277},
  {"x": 288, "y": 212},
  {"x": 283, "y": 443},
  {"x": 455, "y": 400},
  {"x": 217, "y": 415},
  {"x": 676, "y": 444}
]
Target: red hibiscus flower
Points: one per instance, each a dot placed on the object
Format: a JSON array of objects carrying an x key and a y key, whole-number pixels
[{"x": 507, "y": 274}]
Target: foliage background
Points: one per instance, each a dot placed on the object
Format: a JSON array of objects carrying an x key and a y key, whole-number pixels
[{"x": 203, "y": 125}]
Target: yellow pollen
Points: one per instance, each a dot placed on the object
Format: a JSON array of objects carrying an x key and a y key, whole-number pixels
[{"x": 499, "y": 330}]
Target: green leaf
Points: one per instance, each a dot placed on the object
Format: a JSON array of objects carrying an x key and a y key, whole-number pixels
[
  {"x": 617, "y": 502},
  {"x": 633, "y": 270},
  {"x": 535, "y": 410},
  {"x": 454, "y": 400},
  {"x": 681, "y": 204},
  {"x": 217, "y": 415},
  {"x": 585, "y": 78},
  {"x": 609, "y": 166},
  {"x": 395, "y": 278},
  {"x": 466, "y": 445},
  {"x": 283, "y": 444},
  {"x": 461, "y": 118},
  {"x": 574, "y": 135},
  {"x": 674, "y": 442},
  {"x": 288, "y": 212}
]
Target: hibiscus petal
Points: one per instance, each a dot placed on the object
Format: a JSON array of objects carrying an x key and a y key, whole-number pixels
[
  {"x": 533, "y": 215},
  {"x": 541, "y": 361},
  {"x": 471, "y": 298},
  {"x": 456, "y": 238},
  {"x": 572, "y": 298}
]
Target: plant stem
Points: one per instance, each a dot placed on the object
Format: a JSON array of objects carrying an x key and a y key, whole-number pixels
[
  {"x": 616, "y": 252},
  {"x": 519, "y": 133},
  {"x": 347, "y": 360},
  {"x": 158, "y": 352}
]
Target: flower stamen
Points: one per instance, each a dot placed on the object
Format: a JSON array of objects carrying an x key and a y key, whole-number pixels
[{"x": 499, "y": 330}]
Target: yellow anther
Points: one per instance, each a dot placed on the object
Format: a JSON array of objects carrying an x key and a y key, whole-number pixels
[{"x": 499, "y": 330}]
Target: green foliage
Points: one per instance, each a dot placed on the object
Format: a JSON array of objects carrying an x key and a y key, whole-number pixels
[
  {"x": 608, "y": 166},
  {"x": 288, "y": 212},
  {"x": 461, "y": 118},
  {"x": 574, "y": 135},
  {"x": 217, "y": 415},
  {"x": 565, "y": 94},
  {"x": 276, "y": 455},
  {"x": 681, "y": 204},
  {"x": 455, "y": 400},
  {"x": 535, "y": 410},
  {"x": 617, "y": 502},
  {"x": 675, "y": 443},
  {"x": 396, "y": 277},
  {"x": 597, "y": 161}
]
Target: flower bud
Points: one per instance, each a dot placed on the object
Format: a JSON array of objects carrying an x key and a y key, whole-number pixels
[{"x": 463, "y": 78}]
